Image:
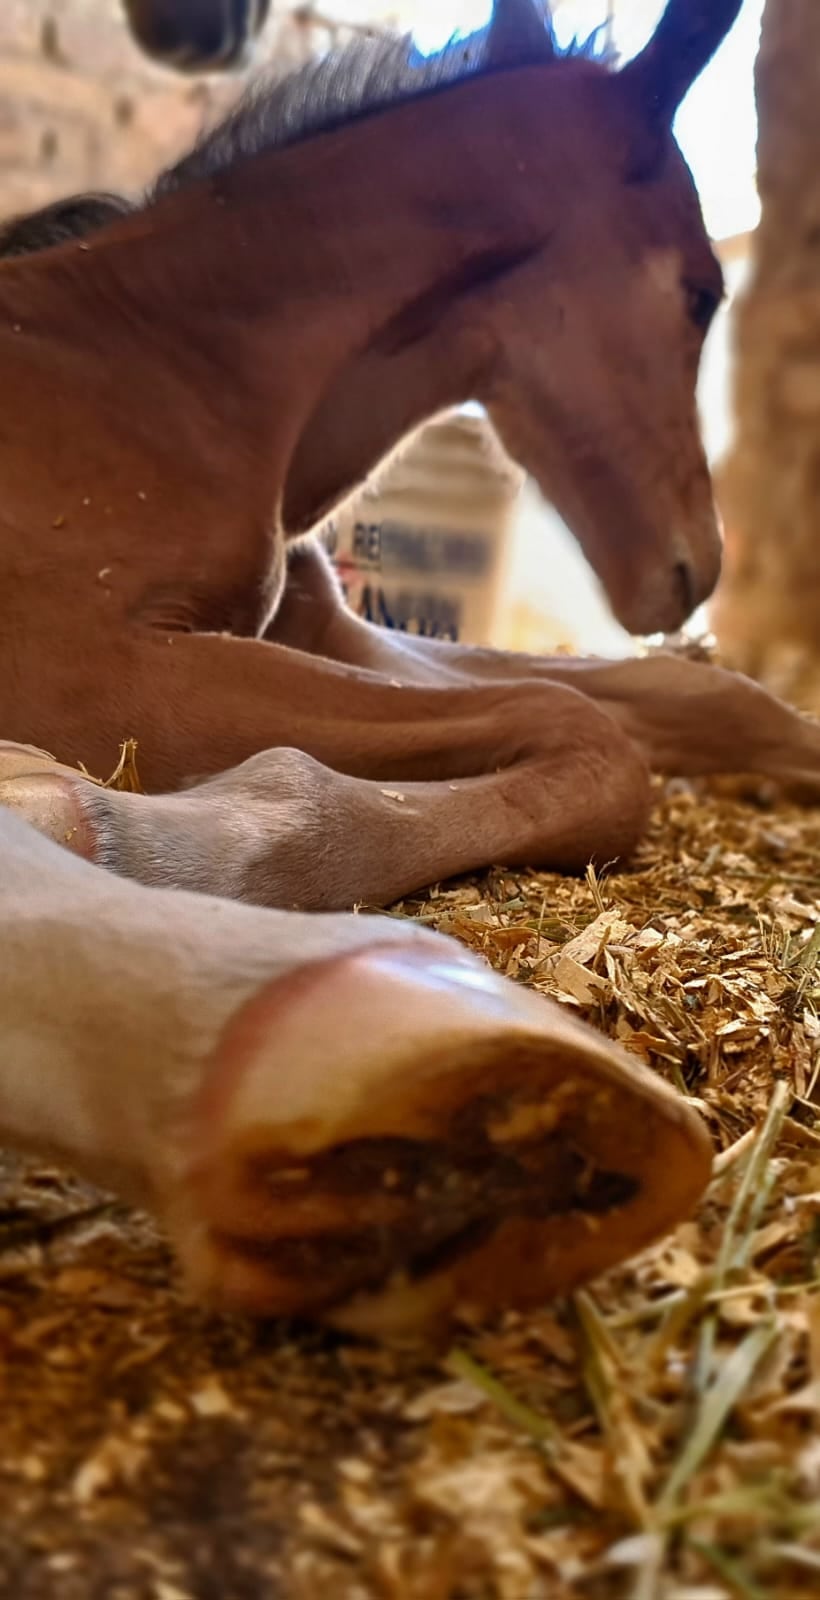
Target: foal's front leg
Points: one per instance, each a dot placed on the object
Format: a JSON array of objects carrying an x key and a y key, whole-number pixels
[
  {"x": 687, "y": 717},
  {"x": 341, "y": 1117},
  {"x": 390, "y": 787},
  {"x": 284, "y": 830}
]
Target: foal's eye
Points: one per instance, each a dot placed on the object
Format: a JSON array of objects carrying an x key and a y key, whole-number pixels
[{"x": 701, "y": 305}]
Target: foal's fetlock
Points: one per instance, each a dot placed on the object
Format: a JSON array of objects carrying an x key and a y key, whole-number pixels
[{"x": 597, "y": 790}]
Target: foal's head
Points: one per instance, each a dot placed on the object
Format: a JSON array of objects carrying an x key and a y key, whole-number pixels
[
  {"x": 580, "y": 321},
  {"x": 595, "y": 338}
]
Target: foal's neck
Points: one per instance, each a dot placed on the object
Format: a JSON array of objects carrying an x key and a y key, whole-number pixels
[
  {"x": 397, "y": 232},
  {"x": 315, "y": 290}
]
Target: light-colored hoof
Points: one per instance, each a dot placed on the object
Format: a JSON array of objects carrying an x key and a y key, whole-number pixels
[
  {"x": 50, "y": 797},
  {"x": 390, "y": 1138}
]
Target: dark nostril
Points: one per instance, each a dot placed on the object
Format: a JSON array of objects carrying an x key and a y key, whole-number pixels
[{"x": 685, "y": 583}]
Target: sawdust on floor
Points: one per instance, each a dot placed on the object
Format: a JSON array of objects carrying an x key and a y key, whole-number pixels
[{"x": 656, "y": 1436}]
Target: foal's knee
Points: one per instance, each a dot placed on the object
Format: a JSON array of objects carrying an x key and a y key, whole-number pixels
[
  {"x": 296, "y": 814},
  {"x": 625, "y": 797},
  {"x": 596, "y": 785}
]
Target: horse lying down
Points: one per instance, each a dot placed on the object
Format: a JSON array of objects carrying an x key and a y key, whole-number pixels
[{"x": 337, "y": 1115}]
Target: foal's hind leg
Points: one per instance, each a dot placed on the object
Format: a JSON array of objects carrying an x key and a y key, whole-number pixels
[
  {"x": 283, "y": 830},
  {"x": 691, "y": 718},
  {"x": 687, "y": 717},
  {"x": 343, "y": 1117}
]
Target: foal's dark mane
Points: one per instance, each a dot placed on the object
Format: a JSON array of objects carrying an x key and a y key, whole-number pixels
[
  {"x": 371, "y": 75},
  {"x": 366, "y": 76}
]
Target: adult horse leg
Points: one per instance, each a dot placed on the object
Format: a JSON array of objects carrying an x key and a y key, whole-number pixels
[
  {"x": 687, "y": 717},
  {"x": 544, "y": 777},
  {"x": 344, "y": 1117}
]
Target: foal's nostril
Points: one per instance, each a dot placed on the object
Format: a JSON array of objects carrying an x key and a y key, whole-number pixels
[{"x": 686, "y": 587}]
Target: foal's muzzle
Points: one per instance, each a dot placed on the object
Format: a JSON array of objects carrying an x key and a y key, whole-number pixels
[{"x": 668, "y": 594}]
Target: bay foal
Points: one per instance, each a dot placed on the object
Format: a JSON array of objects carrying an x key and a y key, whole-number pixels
[
  {"x": 189, "y": 388},
  {"x": 337, "y": 1115}
]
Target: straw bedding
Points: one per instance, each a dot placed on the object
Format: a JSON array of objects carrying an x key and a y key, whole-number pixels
[{"x": 656, "y": 1436}]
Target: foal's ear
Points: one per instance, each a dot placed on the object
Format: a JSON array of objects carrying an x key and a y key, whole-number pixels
[
  {"x": 685, "y": 39},
  {"x": 519, "y": 35}
]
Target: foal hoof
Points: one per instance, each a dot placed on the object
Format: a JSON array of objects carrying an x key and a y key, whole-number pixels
[
  {"x": 399, "y": 1135},
  {"x": 52, "y": 798}
]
